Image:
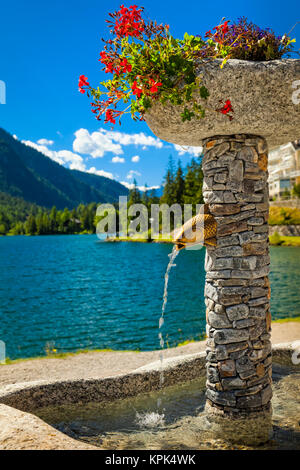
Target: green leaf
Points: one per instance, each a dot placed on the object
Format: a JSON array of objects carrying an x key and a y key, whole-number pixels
[{"x": 204, "y": 93}]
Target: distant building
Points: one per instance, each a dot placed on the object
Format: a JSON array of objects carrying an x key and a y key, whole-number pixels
[{"x": 284, "y": 169}]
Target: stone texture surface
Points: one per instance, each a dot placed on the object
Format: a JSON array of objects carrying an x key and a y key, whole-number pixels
[
  {"x": 261, "y": 96},
  {"x": 237, "y": 287}
]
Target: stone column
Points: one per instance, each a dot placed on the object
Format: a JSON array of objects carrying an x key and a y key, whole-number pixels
[{"x": 237, "y": 289}]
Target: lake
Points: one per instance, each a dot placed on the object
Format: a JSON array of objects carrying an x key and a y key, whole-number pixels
[{"x": 73, "y": 292}]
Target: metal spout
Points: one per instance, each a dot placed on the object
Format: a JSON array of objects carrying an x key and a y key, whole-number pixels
[{"x": 202, "y": 228}]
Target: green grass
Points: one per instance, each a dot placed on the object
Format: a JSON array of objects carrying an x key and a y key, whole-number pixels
[
  {"x": 279, "y": 240},
  {"x": 62, "y": 355},
  {"x": 287, "y": 320},
  {"x": 284, "y": 216}
]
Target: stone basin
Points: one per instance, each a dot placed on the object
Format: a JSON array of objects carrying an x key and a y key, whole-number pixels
[
  {"x": 261, "y": 96},
  {"x": 79, "y": 414}
]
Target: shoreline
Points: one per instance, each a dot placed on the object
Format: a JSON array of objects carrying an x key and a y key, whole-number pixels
[
  {"x": 293, "y": 333},
  {"x": 281, "y": 240}
]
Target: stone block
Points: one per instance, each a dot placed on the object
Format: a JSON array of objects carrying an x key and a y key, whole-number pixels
[
  {"x": 237, "y": 312},
  {"x": 226, "y": 336}
]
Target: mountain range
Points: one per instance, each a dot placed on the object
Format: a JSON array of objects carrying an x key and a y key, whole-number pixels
[{"x": 29, "y": 174}]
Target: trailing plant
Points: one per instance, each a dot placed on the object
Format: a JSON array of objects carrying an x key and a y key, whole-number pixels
[{"x": 148, "y": 64}]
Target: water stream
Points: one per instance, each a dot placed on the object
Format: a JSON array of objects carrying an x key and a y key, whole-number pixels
[
  {"x": 157, "y": 419},
  {"x": 161, "y": 322}
]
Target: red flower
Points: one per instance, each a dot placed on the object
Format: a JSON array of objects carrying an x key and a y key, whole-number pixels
[
  {"x": 154, "y": 85},
  {"x": 109, "y": 116},
  {"x": 109, "y": 68},
  {"x": 136, "y": 90},
  {"x": 125, "y": 65},
  {"x": 227, "y": 108},
  {"x": 222, "y": 27},
  {"x": 129, "y": 22},
  {"x": 82, "y": 82}
]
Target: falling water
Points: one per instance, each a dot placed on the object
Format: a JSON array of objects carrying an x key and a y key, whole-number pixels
[
  {"x": 157, "y": 419},
  {"x": 172, "y": 257}
]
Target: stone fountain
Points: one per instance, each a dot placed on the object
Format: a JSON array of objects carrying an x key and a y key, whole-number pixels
[{"x": 237, "y": 290}]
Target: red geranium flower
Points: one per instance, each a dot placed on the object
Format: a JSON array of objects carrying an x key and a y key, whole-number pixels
[
  {"x": 109, "y": 116},
  {"x": 227, "y": 108},
  {"x": 129, "y": 22},
  {"x": 222, "y": 27},
  {"x": 136, "y": 90},
  {"x": 126, "y": 66},
  {"x": 154, "y": 85},
  {"x": 83, "y": 81}
]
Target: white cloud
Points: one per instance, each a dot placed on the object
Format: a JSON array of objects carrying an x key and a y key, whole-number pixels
[
  {"x": 133, "y": 139},
  {"x": 95, "y": 144},
  {"x": 132, "y": 174},
  {"x": 141, "y": 188},
  {"x": 45, "y": 142},
  {"x": 100, "y": 173},
  {"x": 118, "y": 160},
  {"x": 60, "y": 156},
  {"x": 15, "y": 136},
  {"x": 195, "y": 151},
  {"x": 100, "y": 142},
  {"x": 135, "y": 159}
]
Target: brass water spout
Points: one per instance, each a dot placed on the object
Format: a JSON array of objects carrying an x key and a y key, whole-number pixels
[{"x": 206, "y": 232}]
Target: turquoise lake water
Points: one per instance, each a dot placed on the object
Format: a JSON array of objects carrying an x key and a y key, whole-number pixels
[{"x": 73, "y": 292}]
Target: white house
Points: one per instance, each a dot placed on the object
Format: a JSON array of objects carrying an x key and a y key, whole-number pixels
[{"x": 284, "y": 168}]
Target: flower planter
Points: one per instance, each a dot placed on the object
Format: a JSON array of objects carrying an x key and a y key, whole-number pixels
[
  {"x": 237, "y": 290},
  {"x": 261, "y": 96}
]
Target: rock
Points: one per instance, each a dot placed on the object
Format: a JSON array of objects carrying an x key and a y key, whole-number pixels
[
  {"x": 219, "y": 309},
  {"x": 221, "y": 352},
  {"x": 237, "y": 312},
  {"x": 258, "y": 292},
  {"x": 249, "y": 401},
  {"x": 221, "y": 178},
  {"x": 263, "y": 161},
  {"x": 221, "y": 148},
  {"x": 228, "y": 241},
  {"x": 227, "y": 368},
  {"x": 233, "y": 384},
  {"x": 254, "y": 249},
  {"x": 223, "y": 263},
  {"x": 256, "y": 221},
  {"x": 258, "y": 312},
  {"x": 218, "y": 321},
  {"x": 247, "y": 154},
  {"x": 243, "y": 323},
  {"x": 258, "y": 301},
  {"x": 212, "y": 374},
  {"x": 260, "y": 370},
  {"x": 229, "y": 229},
  {"x": 245, "y": 368},
  {"x": 229, "y": 251},
  {"x": 221, "y": 398},
  {"x": 224, "y": 209},
  {"x": 245, "y": 262},
  {"x": 236, "y": 172},
  {"x": 211, "y": 292},
  {"x": 226, "y": 336}
]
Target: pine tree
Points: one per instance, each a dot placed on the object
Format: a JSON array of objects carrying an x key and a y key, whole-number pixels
[
  {"x": 30, "y": 225},
  {"x": 168, "y": 196},
  {"x": 134, "y": 195},
  {"x": 179, "y": 185}
]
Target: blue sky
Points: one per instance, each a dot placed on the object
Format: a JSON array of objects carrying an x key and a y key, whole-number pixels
[{"x": 45, "y": 46}]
